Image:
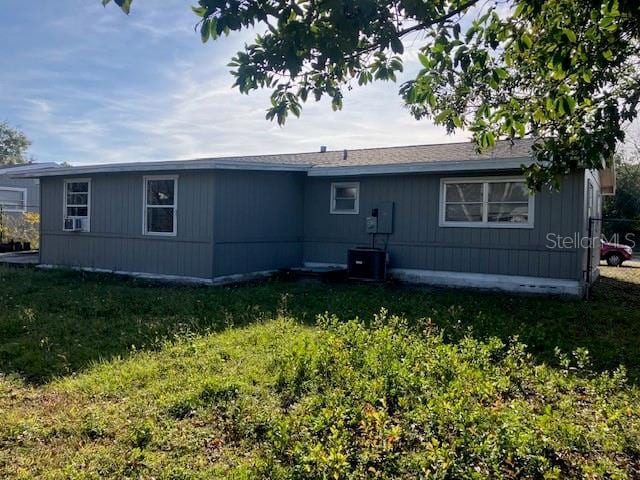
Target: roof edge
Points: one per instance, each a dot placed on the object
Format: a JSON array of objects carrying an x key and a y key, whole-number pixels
[
  {"x": 312, "y": 171},
  {"x": 177, "y": 165},
  {"x": 424, "y": 167}
]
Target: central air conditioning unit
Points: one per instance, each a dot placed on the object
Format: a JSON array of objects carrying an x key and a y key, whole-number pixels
[
  {"x": 367, "y": 264},
  {"x": 74, "y": 224}
]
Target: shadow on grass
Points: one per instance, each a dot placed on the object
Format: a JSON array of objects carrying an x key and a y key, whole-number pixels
[{"x": 55, "y": 323}]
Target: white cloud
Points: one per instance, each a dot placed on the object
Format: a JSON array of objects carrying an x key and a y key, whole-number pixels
[{"x": 143, "y": 87}]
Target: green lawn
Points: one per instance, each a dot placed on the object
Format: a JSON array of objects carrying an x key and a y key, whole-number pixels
[
  {"x": 102, "y": 377},
  {"x": 54, "y": 323}
]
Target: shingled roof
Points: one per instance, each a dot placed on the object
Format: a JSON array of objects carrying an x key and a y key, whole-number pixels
[{"x": 381, "y": 160}]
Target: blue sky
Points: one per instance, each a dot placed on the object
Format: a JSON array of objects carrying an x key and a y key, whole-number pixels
[{"x": 89, "y": 85}]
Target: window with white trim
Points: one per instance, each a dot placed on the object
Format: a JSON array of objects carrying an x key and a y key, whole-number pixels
[
  {"x": 345, "y": 198},
  {"x": 160, "y": 205},
  {"x": 486, "y": 202},
  {"x": 77, "y": 205},
  {"x": 13, "y": 199}
]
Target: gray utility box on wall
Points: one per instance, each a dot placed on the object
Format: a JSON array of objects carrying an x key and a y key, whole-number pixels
[
  {"x": 381, "y": 219},
  {"x": 385, "y": 217}
]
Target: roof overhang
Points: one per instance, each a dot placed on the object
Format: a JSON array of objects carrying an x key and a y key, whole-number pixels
[
  {"x": 312, "y": 171},
  {"x": 430, "y": 167},
  {"x": 179, "y": 165},
  {"x": 30, "y": 168}
]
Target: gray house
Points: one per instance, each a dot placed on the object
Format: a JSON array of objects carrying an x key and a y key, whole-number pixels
[{"x": 447, "y": 216}]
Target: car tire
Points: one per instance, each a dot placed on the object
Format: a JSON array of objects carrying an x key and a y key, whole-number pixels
[{"x": 614, "y": 260}]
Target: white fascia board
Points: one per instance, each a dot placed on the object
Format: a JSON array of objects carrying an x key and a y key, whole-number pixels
[
  {"x": 161, "y": 167},
  {"x": 427, "y": 167}
]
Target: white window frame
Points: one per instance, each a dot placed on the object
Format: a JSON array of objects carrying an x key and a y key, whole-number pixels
[
  {"x": 485, "y": 203},
  {"x": 24, "y": 200},
  {"x": 356, "y": 203},
  {"x": 64, "y": 203},
  {"x": 145, "y": 180}
]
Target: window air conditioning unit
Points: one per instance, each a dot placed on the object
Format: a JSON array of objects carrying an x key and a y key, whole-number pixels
[{"x": 74, "y": 224}]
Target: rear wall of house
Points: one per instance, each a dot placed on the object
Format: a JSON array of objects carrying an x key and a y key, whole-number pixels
[
  {"x": 418, "y": 242},
  {"x": 258, "y": 221},
  {"x": 116, "y": 242}
]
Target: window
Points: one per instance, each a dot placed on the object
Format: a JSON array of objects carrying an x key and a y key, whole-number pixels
[
  {"x": 13, "y": 199},
  {"x": 486, "y": 202},
  {"x": 345, "y": 198},
  {"x": 77, "y": 201},
  {"x": 160, "y": 205}
]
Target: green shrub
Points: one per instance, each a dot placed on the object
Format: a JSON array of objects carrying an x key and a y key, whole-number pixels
[
  {"x": 341, "y": 400},
  {"x": 389, "y": 401}
]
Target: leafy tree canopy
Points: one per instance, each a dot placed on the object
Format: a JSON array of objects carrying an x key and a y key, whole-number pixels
[
  {"x": 13, "y": 145},
  {"x": 564, "y": 72}
]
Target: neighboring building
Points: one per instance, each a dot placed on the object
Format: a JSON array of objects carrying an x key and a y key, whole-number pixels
[
  {"x": 456, "y": 217},
  {"x": 19, "y": 195}
]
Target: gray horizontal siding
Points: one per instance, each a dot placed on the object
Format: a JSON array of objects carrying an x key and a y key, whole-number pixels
[
  {"x": 116, "y": 241},
  {"x": 419, "y": 242},
  {"x": 257, "y": 221}
]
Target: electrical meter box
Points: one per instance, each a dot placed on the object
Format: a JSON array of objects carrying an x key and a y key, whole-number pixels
[
  {"x": 372, "y": 224},
  {"x": 381, "y": 219}
]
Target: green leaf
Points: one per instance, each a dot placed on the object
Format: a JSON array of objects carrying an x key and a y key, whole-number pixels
[
  {"x": 424, "y": 60},
  {"x": 213, "y": 28},
  {"x": 570, "y": 104},
  {"x": 431, "y": 100},
  {"x": 606, "y": 23},
  {"x": 569, "y": 34},
  {"x": 205, "y": 31},
  {"x": 125, "y": 5},
  {"x": 520, "y": 9},
  {"x": 502, "y": 73},
  {"x": 199, "y": 11},
  {"x": 441, "y": 116},
  {"x": 526, "y": 40},
  {"x": 608, "y": 55},
  {"x": 397, "y": 46}
]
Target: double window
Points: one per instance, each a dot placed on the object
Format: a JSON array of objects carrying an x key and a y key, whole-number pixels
[
  {"x": 160, "y": 205},
  {"x": 13, "y": 199},
  {"x": 345, "y": 198},
  {"x": 77, "y": 204},
  {"x": 487, "y": 202}
]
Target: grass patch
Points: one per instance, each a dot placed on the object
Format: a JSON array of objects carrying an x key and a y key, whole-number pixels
[
  {"x": 56, "y": 323},
  {"x": 102, "y": 377},
  {"x": 279, "y": 399}
]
